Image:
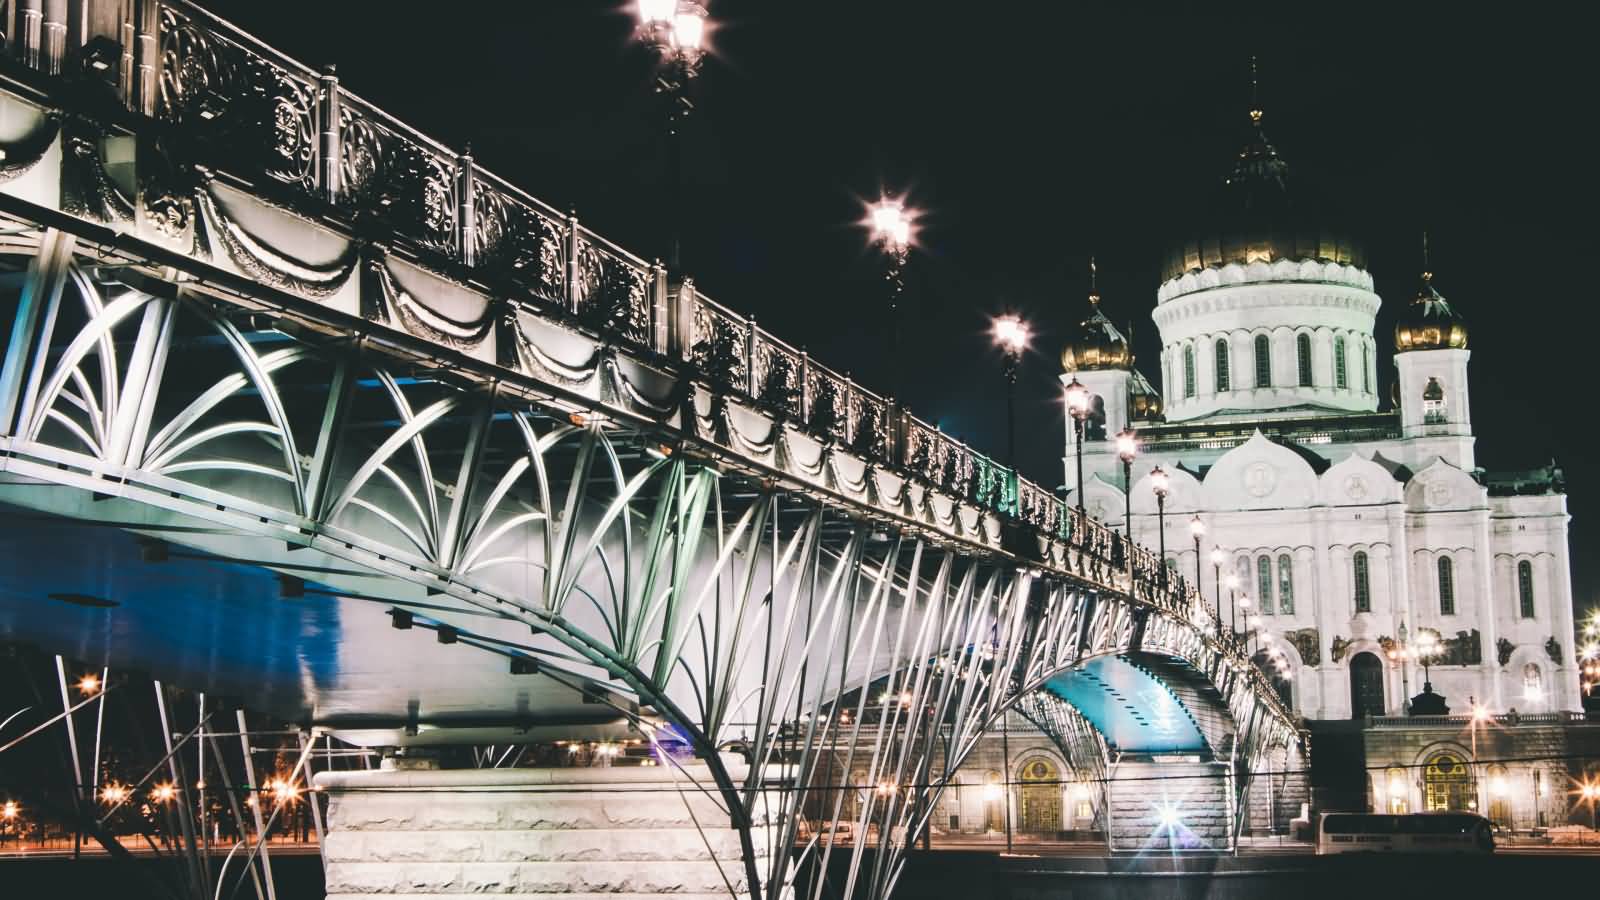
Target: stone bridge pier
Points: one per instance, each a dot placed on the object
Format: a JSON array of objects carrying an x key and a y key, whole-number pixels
[{"x": 546, "y": 833}]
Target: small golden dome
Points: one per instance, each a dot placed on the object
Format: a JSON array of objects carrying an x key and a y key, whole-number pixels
[
  {"x": 1429, "y": 322},
  {"x": 1098, "y": 344}
]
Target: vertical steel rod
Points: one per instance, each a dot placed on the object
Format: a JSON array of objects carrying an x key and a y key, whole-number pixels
[{"x": 255, "y": 792}]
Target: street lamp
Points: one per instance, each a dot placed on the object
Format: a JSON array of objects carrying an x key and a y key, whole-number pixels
[
  {"x": 1127, "y": 449},
  {"x": 890, "y": 225},
  {"x": 1011, "y": 335},
  {"x": 1254, "y": 623},
  {"x": 1198, "y": 529},
  {"x": 1233, "y": 616},
  {"x": 1078, "y": 408},
  {"x": 1161, "y": 484},
  {"x": 1591, "y": 796},
  {"x": 675, "y": 30},
  {"x": 1399, "y": 656},
  {"x": 1217, "y": 559}
]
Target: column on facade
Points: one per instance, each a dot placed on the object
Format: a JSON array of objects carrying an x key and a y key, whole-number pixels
[
  {"x": 1323, "y": 595},
  {"x": 1400, "y": 587},
  {"x": 1565, "y": 695},
  {"x": 1488, "y": 612}
]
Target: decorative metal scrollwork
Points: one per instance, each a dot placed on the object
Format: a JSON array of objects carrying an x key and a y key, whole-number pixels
[
  {"x": 612, "y": 295},
  {"x": 398, "y": 181},
  {"x": 871, "y": 426},
  {"x": 718, "y": 349},
  {"x": 519, "y": 244},
  {"x": 258, "y": 115},
  {"x": 827, "y": 418},
  {"x": 778, "y": 379}
]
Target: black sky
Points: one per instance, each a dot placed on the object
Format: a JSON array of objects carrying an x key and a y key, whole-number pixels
[{"x": 1035, "y": 134}]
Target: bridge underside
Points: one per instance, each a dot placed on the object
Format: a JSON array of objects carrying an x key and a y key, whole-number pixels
[{"x": 288, "y": 645}]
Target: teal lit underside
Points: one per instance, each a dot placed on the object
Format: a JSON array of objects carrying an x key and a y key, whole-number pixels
[{"x": 1132, "y": 708}]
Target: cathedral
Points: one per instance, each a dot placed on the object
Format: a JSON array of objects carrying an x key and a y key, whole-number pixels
[{"x": 1359, "y": 546}]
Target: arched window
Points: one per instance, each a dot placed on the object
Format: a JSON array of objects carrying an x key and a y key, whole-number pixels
[
  {"x": 1447, "y": 785},
  {"x": 1188, "y": 370},
  {"x": 1222, "y": 365},
  {"x": 1302, "y": 347},
  {"x": 1399, "y": 792},
  {"x": 1433, "y": 403},
  {"x": 1363, "y": 589},
  {"x": 1366, "y": 372},
  {"x": 1532, "y": 683},
  {"x": 1285, "y": 584},
  {"x": 1341, "y": 377},
  {"x": 1263, "y": 362},
  {"x": 1264, "y": 583},
  {"x": 1447, "y": 587},
  {"x": 1525, "y": 588}
]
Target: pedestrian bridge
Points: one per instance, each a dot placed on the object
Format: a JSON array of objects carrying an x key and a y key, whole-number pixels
[{"x": 303, "y": 407}]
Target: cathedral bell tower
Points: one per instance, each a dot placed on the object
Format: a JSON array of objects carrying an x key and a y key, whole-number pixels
[
  {"x": 1430, "y": 343},
  {"x": 1100, "y": 358}
]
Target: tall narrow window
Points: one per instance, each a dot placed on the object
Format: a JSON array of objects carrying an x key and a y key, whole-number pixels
[
  {"x": 1222, "y": 365},
  {"x": 1188, "y": 370},
  {"x": 1525, "y": 588},
  {"x": 1264, "y": 583},
  {"x": 1285, "y": 584},
  {"x": 1341, "y": 376},
  {"x": 1366, "y": 373},
  {"x": 1447, "y": 587},
  {"x": 1302, "y": 347},
  {"x": 1363, "y": 589},
  {"x": 1263, "y": 362}
]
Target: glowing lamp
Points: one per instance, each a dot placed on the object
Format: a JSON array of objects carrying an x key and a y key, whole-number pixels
[
  {"x": 1127, "y": 447},
  {"x": 1012, "y": 334},
  {"x": 1077, "y": 399},
  {"x": 1197, "y": 527},
  {"x": 688, "y": 30},
  {"x": 652, "y": 11},
  {"x": 1160, "y": 482}
]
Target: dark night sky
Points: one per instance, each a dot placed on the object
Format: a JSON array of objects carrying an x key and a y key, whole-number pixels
[{"x": 1035, "y": 134}]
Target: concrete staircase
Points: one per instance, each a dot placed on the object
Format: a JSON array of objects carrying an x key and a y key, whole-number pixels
[
  {"x": 1169, "y": 803},
  {"x": 519, "y": 834}
]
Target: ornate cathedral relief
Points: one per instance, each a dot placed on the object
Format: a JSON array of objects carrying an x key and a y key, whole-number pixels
[
  {"x": 1552, "y": 649},
  {"x": 1387, "y": 643},
  {"x": 1503, "y": 649},
  {"x": 1308, "y": 643},
  {"x": 1338, "y": 648},
  {"x": 1465, "y": 649}
]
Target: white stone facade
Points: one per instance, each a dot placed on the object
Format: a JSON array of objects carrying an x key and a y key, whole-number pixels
[{"x": 1367, "y": 520}]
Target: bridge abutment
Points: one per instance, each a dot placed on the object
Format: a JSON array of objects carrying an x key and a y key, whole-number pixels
[
  {"x": 574, "y": 833},
  {"x": 1169, "y": 805}
]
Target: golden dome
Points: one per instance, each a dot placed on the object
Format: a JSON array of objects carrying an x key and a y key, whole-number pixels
[
  {"x": 1098, "y": 344},
  {"x": 1429, "y": 322}
]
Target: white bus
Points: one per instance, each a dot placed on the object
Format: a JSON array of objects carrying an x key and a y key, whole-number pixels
[{"x": 1435, "y": 832}]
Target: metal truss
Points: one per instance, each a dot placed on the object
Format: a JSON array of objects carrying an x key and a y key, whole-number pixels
[
  {"x": 360, "y": 348},
  {"x": 732, "y": 608}
]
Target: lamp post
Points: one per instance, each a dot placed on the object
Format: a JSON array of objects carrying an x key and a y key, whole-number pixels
[
  {"x": 1233, "y": 616},
  {"x": 1591, "y": 796},
  {"x": 675, "y": 30},
  {"x": 1127, "y": 449},
  {"x": 1161, "y": 484},
  {"x": 1078, "y": 408},
  {"x": 1399, "y": 656},
  {"x": 1197, "y": 528},
  {"x": 1011, "y": 336},
  {"x": 1217, "y": 559},
  {"x": 890, "y": 223}
]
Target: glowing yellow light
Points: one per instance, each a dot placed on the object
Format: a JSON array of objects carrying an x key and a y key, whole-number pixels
[
  {"x": 113, "y": 793},
  {"x": 10, "y": 811},
  {"x": 163, "y": 792},
  {"x": 284, "y": 790},
  {"x": 657, "y": 10},
  {"x": 891, "y": 224},
  {"x": 688, "y": 30},
  {"x": 88, "y": 685}
]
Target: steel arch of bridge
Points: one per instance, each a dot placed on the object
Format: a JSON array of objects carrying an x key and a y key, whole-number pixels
[
  {"x": 731, "y": 607},
  {"x": 290, "y": 321}
]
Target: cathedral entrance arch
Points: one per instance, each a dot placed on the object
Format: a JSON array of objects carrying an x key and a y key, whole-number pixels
[
  {"x": 1447, "y": 785},
  {"x": 1040, "y": 797},
  {"x": 1366, "y": 686}
]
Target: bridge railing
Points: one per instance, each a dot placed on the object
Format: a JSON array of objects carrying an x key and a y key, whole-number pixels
[{"x": 296, "y": 136}]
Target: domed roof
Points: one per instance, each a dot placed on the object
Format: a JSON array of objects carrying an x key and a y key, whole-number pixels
[
  {"x": 1254, "y": 216},
  {"x": 1098, "y": 344},
  {"x": 1429, "y": 322}
]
